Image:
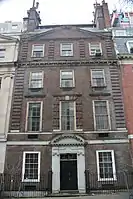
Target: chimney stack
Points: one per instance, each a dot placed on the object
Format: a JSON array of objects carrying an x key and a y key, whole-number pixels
[
  {"x": 33, "y": 20},
  {"x": 102, "y": 16}
]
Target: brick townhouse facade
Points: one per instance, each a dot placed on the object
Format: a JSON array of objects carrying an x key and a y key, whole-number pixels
[
  {"x": 122, "y": 27},
  {"x": 67, "y": 111}
]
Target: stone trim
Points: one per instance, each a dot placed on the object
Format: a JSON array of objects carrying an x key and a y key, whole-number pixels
[
  {"x": 67, "y": 63},
  {"x": 45, "y": 143}
]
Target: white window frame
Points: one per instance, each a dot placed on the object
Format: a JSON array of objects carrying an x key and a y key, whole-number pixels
[
  {"x": 75, "y": 126},
  {"x": 72, "y": 77},
  {"x": 33, "y": 50},
  {"x": 61, "y": 47},
  {"x": 113, "y": 166},
  {"x": 31, "y": 78},
  {"x": 23, "y": 166},
  {"x": 100, "y": 45},
  {"x": 92, "y": 76},
  {"x": 128, "y": 46},
  {"x": 108, "y": 112},
  {"x": 27, "y": 112}
]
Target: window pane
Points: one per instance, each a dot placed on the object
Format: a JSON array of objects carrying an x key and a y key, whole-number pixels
[
  {"x": 130, "y": 44},
  {"x": 97, "y": 73},
  {"x": 98, "y": 78},
  {"x": 38, "y": 50},
  {"x": 66, "y": 49},
  {"x": 37, "y": 53},
  {"x": 67, "y": 75},
  {"x": 67, "y": 115},
  {"x": 94, "y": 47},
  {"x": 105, "y": 165},
  {"x": 101, "y": 115},
  {"x": 38, "y": 47},
  {"x": 34, "y": 117},
  {"x": 66, "y": 83},
  {"x": 67, "y": 53},
  {"x": 36, "y": 80},
  {"x": 66, "y": 46},
  {"x": 101, "y": 122},
  {"x": 66, "y": 79},
  {"x": 100, "y": 107},
  {"x": 31, "y": 166}
]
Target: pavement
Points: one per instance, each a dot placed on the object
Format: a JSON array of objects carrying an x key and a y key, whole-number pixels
[{"x": 93, "y": 196}]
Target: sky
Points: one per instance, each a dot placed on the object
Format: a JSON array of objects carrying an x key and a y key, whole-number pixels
[{"x": 53, "y": 11}]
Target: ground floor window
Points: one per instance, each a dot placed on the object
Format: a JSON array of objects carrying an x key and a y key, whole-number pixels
[
  {"x": 106, "y": 165},
  {"x": 31, "y": 166}
]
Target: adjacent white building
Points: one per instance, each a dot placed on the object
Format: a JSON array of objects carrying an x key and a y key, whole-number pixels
[
  {"x": 11, "y": 27},
  {"x": 8, "y": 57}
]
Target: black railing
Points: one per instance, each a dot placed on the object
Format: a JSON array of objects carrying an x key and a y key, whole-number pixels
[
  {"x": 121, "y": 181},
  {"x": 13, "y": 186}
]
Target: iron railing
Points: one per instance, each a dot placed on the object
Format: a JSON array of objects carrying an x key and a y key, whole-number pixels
[
  {"x": 12, "y": 185},
  {"x": 122, "y": 181}
]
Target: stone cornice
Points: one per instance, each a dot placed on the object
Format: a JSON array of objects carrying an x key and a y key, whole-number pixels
[
  {"x": 8, "y": 64},
  {"x": 68, "y": 63}
]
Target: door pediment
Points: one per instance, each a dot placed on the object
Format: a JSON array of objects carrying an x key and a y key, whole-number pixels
[{"x": 70, "y": 139}]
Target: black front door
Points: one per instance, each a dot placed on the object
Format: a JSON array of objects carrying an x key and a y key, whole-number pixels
[{"x": 68, "y": 172}]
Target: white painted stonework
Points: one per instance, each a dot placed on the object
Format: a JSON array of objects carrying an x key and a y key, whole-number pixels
[
  {"x": 7, "y": 71},
  {"x": 68, "y": 144}
]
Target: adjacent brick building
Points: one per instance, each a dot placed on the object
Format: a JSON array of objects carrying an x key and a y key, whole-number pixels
[
  {"x": 67, "y": 110},
  {"x": 123, "y": 38}
]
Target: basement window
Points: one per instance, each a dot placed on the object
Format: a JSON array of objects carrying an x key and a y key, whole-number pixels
[
  {"x": 32, "y": 136},
  {"x": 103, "y": 135}
]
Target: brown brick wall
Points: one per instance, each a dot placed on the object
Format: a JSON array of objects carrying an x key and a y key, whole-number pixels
[{"x": 127, "y": 81}]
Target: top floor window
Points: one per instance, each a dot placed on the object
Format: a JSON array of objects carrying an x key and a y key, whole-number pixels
[
  {"x": 120, "y": 33},
  {"x": 38, "y": 50},
  {"x": 14, "y": 26},
  {"x": 2, "y": 52},
  {"x": 95, "y": 49},
  {"x": 130, "y": 46},
  {"x": 66, "y": 49}
]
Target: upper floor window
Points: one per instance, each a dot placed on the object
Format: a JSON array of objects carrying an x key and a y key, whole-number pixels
[
  {"x": 97, "y": 77},
  {"x": 95, "y": 49},
  {"x": 67, "y": 78},
  {"x": 36, "y": 80},
  {"x": 106, "y": 165},
  {"x": 38, "y": 50},
  {"x": 31, "y": 166},
  {"x": 34, "y": 116},
  {"x": 14, "y": 26},
  {"x": 66, "y": 49},
  {"x": 67, "y": 115},
  {"x": 101, "y": 115},
  {"x": 120, "y": 33},
  {"x": 2, "y": 52},
  {"x": 130, "y": 46}
]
